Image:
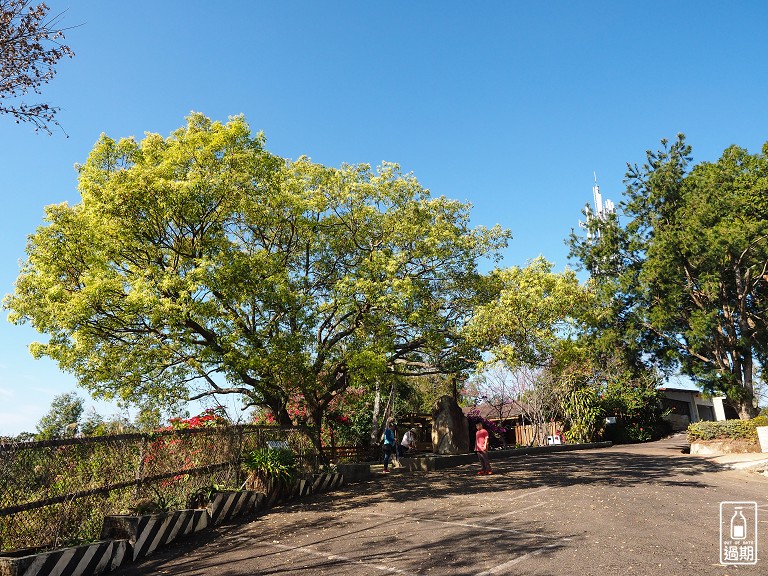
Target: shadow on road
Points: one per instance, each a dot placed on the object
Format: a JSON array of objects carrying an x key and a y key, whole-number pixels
[
  {"x": 558, "y": 470},
  {"x": 289, "y": 540}
]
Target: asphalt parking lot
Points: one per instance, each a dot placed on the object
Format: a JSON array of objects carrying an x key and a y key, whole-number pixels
[{"x": 642, "y": 510}]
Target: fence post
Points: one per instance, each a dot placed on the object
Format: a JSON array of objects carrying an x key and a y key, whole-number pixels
[
  {"x": 239, "y": 474},
  {"x": 139, "y": 476}
]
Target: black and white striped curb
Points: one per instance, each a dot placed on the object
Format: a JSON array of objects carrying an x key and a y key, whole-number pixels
[
  {"x": 85, "y": 560},
  {"x": 326, "y": 482},
  {"x": 146, "y": 533},
  {"x": 226, "y": 505},
  {"x": 127, "y": 538}
]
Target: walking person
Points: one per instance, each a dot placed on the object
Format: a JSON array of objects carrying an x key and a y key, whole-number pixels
[
  {"x": 481, "y": 447},
  {"x": 389, "y": 445}
]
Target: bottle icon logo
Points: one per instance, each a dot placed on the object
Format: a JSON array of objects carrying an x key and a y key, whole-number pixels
[{"x": 738, "y": 525}]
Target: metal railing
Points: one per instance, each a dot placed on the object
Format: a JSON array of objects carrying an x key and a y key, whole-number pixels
[{"x": 56, "y": 492}]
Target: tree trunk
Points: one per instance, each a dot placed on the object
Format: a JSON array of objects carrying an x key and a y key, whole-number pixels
[
  {"x": 378, "y": 426},
  {"x": 747, "y": 409},
  {"x": 315, "y": 433},
  {"x": 744, "y": 369},
  {"x": 389, "y": 408},
  {"x": 375, "y": 415}
]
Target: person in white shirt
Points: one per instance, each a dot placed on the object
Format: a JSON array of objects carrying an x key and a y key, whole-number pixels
[{"x": 408, "y": 442}]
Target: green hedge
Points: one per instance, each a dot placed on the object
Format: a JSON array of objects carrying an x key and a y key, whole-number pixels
[{"x": 726, "y": 429}]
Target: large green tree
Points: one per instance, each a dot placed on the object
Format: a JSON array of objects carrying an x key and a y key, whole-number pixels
[
  {"x": 201, "y": 264},
  {"x": 688, "y": 270},
  {"x": 531, "y": 311}
]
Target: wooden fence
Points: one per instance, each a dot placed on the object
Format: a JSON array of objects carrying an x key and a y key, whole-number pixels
[{"x": 530, "y": 435}]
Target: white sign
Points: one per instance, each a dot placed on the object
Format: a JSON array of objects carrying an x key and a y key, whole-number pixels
[
  {"x": 762, "y": 435},
  {"x": 738, "y": 533}
]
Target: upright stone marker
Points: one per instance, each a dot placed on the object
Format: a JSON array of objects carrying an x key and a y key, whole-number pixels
[
  {"x": 450, "y": 432},
  {"x": 762, "y": 435}
]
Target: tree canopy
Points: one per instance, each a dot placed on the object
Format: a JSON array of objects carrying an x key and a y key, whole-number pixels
[
  {"x": 201, "y": 264},
  {"x": 533, "y": 310},
  {"x": 689, "y": 269},
  {"x": 30, "y": 47}
]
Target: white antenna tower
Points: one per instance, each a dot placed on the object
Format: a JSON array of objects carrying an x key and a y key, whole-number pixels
[{"x": 601, "y": 210}]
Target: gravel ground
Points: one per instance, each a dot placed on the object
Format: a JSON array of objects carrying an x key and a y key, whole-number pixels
[{"x": 640, "y": 510}]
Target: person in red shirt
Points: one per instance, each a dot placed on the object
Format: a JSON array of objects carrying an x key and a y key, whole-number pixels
[{"x": 481, "y": 447}]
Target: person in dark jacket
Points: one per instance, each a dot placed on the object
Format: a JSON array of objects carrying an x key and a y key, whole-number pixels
[{"x": 389, "y": 445}]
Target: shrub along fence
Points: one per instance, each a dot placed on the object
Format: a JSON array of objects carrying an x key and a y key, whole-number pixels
[
  {"x": 727, "y": 429},
  {"x": 56, "y": 492}
]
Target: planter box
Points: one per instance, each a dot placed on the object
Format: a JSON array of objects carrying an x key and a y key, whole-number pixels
[
  {"x": 227, "y": 504},
  {"x": 717, "y": 447},
  {"x": 147, "y": 533},
  {"x": 326, "y": 482},
  {"x": 279, "y": 494},
  {"x": 85, "y": 560}
]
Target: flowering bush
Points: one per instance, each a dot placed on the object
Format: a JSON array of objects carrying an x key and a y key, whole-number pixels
[
  {"x": 495, "y": 431},
  {"x": 186, "y": 453},
  {"x": 209, "y": 418},
  {"x": 346, "y": 420}
]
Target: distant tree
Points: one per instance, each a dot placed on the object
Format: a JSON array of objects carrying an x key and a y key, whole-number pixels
[
  {"x": 688, "y": 270},
  {"x": 498, "y": 387},
  {"x": 30, "y": 47},
  {"x": 62, "y": 419},
  {"x": 21, "y": 437},
  {"x": 94, "y": 424}
]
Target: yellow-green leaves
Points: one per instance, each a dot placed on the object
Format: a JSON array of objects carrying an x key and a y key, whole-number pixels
[
  {"x": 534, "y": 309},
  {"x": 199, "y": 263}
]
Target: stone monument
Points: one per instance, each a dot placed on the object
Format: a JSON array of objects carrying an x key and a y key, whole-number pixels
[{"x": 450, "y": 432}]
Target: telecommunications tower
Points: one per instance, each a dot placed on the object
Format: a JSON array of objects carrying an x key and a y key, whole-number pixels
[{"x": 601, "y": 210}]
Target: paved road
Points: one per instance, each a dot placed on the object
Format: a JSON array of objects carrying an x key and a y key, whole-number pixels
[{"x": 637, "y": 510}]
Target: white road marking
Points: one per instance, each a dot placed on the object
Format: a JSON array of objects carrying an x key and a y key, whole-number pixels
[
  {"x": 339, "y": 557},
  {"x": 461, "y": 524},
  {"x": 524, "y": 495},
  {"x": 502, "y": 568},
  {"x": 517, "y": 511}
]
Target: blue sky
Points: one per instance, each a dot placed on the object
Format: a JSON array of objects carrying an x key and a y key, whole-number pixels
[{"x": 508, "y": 105}]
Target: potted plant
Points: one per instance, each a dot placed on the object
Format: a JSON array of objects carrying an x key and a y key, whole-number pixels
[{"x": 274, "y": 472}]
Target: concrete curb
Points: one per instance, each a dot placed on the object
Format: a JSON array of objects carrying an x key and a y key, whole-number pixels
[{"x": 753, "y": 466}]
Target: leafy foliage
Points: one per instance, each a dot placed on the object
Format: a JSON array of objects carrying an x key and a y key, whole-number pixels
[
  {"x": 276, "y": 465},
  {"x": 727, "y": 429},
  {"x": 635, "y": 402},
  {"x": 687, "y": 272},
  {"x": 582, "y": 410},
  {"x": 201, "y": 264},
  {"x": 533, "y": 311},
  {"x": 30, "y": 47}
]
